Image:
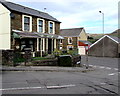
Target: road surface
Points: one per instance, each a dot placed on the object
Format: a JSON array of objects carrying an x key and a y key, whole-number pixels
[{"x": 103, "y": 80}]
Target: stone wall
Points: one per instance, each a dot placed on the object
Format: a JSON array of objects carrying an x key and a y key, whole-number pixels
[
  {"x": 55, "y": 62},
  {"x": 7, "y": 57},
  {"x": 49, "y": 62}
]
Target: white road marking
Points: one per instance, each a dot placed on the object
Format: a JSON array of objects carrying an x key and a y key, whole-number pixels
[
  {"x": 108, "y": 68},
  {"x": 114, "y": 74},
  {"x": 115, "y": 68},
  {"x": 48, "y": 87},
  {"x": 111, "y": 74},
  {"x": 90, "y": 65},
  {"x": 63, "y": 86},
  {"x": 103, "y": 83},
  {"x": 24, "y": 88},
  {"x": 101, "y": 67},
  {"x": 95, "y": 66}
]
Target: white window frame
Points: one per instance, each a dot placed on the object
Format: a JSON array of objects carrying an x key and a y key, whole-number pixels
[
  {"x": 38, "y": 25},
  {"x": 49, "y": 27},
  {"x": 69, "y": 40},
  {"x": 23, "y": 16}
]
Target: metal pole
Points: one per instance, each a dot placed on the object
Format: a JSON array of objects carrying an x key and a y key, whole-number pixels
[{"x": 102, "y": 28}]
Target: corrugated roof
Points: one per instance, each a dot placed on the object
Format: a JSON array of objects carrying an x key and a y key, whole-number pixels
[
  {"x": 74, "y": 32},
  {"x": 22, "y": 9},
  {"x": 85, "y": 42},
  {"x": 23, "y": 34}
]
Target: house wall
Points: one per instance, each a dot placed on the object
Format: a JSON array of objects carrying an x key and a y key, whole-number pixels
[
  {"x": 5, "y": 34},
  {"x": 75, "y": 42},
  {"x": 110, "y": 48},
  {"x": 81, "y": 50},
  {"x": 16, "y": 24},
  {"x": 65, "y": 42},
  {"x": 83, "y": 35}
]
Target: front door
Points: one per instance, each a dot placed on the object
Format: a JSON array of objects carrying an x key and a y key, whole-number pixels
[{"x": 49, "y": 46}]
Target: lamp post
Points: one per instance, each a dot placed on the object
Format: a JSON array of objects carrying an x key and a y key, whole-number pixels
[{"x": 102, "y": 28}]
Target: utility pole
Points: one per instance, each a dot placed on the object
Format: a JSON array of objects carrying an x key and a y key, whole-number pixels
[{"x": 102, "y": 29}]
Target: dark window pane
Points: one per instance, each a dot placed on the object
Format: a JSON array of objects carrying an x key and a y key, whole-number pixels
[
  {"x": 26, "y": 20},
  {"x": 51, "y": 27},
  {"x": 41, "y": 22},
  {"x": 40, "y": 26},
  {"x": 26, "y": 23}
]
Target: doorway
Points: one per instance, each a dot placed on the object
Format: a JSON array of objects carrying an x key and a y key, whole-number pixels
[{"x": 49, "y": 46}]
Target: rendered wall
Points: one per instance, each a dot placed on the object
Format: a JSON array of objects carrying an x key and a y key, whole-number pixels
[
  {"x": 110, "y": 48},
  {"x": 83, "y": 36},
  {"x": 5, "y": 37}
]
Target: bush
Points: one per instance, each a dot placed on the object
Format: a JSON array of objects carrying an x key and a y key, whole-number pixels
[
  {"x": 57, "y": 52},
  {"x": 18, "y": 58},
  {"x": 73, "y": 52},
  {"x": 39, "y": 58}
]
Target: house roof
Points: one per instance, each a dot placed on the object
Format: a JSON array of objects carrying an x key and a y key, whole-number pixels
[
  {"x": 74, "y": 32},
  {"x": 115, "y": 39},
  {"x": 85, "y": 42},
  {"x": 22, "y": 9}
]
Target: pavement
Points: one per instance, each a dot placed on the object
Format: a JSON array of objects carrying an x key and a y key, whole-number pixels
[{"x": 46, "y": 68}]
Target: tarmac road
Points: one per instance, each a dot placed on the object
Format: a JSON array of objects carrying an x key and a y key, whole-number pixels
[
  {"x": 101, "y": 61},
  {"x": 102, "y": 80},
  {"x": 99, "y": 81}
]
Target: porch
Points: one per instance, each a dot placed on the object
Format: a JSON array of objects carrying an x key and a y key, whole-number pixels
[{"x": 40, "y": 44}]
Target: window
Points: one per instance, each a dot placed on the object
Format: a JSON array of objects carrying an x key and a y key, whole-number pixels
[
  {"x": 51, "y": 27},
  {"x": 40, "y": 25},
  {"x": 70, "y": 40},
  {"x": 70, "y": 47},
  {"x": 61, "y": 41},
  {"x": 27, "y": 23},
  {"x": 27, "y": 44}
]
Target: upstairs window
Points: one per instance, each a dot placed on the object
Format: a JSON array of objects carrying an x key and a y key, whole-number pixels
[
  {"x": 69, "y": 40},
  {"x": 27, "y": 23},
  {"x": 51, "y": 27},
  {"x": 61, "y": 41},
  {"x": 40, "y": 24}
]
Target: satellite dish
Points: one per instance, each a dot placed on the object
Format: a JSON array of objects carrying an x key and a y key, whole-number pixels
[{"x": 12, "y": 15}]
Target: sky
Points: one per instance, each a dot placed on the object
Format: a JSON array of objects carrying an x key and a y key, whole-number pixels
[{"x": 79, "y": 13}]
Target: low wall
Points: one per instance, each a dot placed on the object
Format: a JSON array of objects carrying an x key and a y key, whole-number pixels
[
  {"x": 54, "y": 62},
  {"x": 49, "y": 62},
  {"x": 9, "y": 57}
]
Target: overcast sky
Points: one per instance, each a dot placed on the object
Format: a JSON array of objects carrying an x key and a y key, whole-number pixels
[{"x": 79, "y": 13}]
